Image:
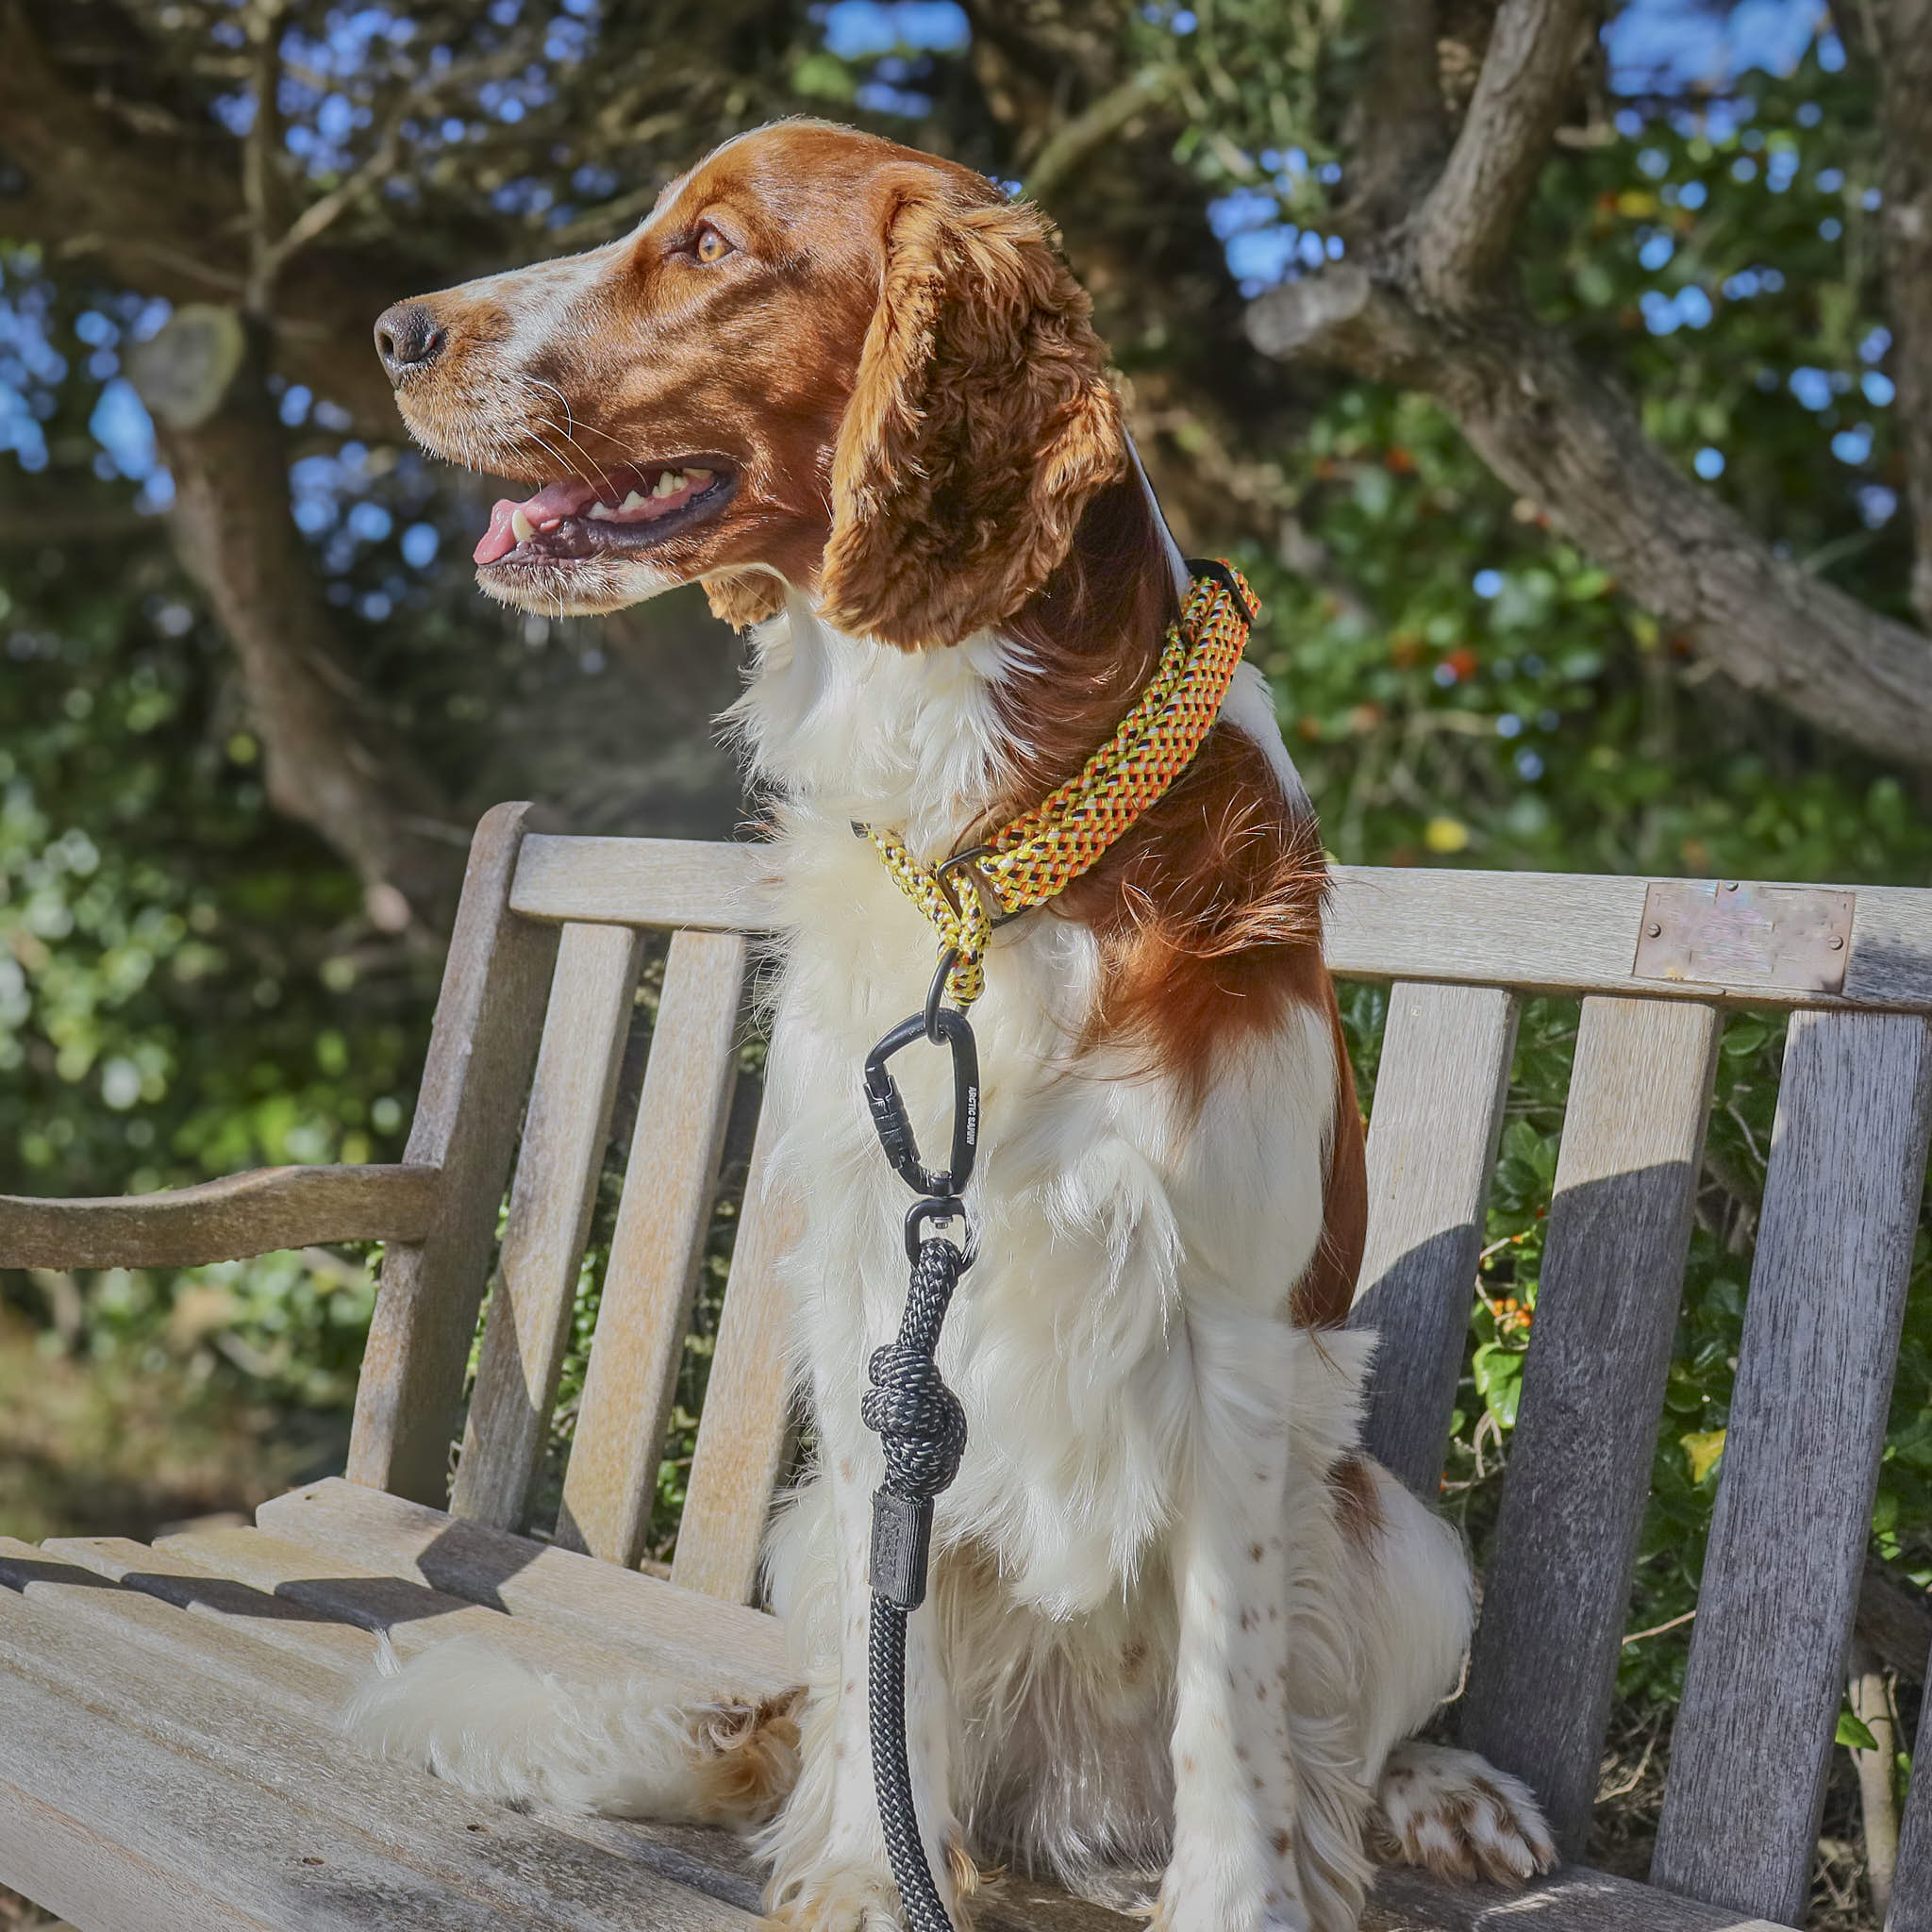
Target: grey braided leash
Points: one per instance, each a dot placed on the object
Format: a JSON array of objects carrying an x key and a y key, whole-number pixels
[{"x": 919, "y": 1424}]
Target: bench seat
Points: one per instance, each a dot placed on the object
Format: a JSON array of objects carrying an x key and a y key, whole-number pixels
[
  {"x": 174, "y": 1760},
  {"x": 170, "y": 1754}
]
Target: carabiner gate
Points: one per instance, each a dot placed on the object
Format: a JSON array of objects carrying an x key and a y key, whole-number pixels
[{"x": 887, "y": 1107}]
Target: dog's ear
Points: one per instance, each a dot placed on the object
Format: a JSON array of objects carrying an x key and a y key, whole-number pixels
[{"x": 981, "y": 424}]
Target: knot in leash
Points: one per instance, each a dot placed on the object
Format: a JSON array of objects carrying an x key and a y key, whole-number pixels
[{"x": 916, "y": 1418}]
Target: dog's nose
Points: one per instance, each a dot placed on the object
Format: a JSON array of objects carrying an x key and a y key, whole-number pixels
[{"x": 406, "y": 338}]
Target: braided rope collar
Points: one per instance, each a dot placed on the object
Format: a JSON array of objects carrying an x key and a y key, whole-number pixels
[{"x": 1043, "y": 851}]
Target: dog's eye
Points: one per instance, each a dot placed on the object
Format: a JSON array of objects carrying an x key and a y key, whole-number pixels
[{"x": 710, "y": 245}]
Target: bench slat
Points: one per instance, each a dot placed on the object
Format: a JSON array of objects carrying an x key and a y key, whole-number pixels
[
  {"x": 489, "y": 1015},
  {"x": 1431, "y": 1149},
  {"x": 655, "y": 1251},
  {"x": 205, "y": 1596},
  {"x": 240, "y": 1214},
  {"x": 536, "y": 1583},
  {"x": 415, "y": 1618},
  {"x": 313, "y": 1683},
  {"x": 679, "y": 882},
  {"x": 742, "y": 1427},
  {"x": 419, "y": 1836},
  {"x": 1571, "y": 1899},
  {"x": 1557, "y": 1587},
  {"x": 1577, "y": 933},
  {"x": 1788, "y": 1536},
  {"x": 1572, "y": 933},
  {"x": 1911, "y": 1878},
  {"x": 591, "y": 999}
]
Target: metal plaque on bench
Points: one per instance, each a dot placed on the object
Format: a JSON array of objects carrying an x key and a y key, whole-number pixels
[{"x": 1793, "y": 937}]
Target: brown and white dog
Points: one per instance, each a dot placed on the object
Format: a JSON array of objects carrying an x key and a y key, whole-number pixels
[{"x": 1180, "y": 1625}]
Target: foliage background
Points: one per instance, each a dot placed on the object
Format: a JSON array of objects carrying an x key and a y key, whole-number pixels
[{"x": 193, "y": 983}]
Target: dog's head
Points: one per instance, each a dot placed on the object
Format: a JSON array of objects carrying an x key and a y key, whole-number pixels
[{"x": 823, "y": 359}]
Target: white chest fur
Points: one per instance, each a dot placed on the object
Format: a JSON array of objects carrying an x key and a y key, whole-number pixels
[{"x": 1110, "y": 1223}]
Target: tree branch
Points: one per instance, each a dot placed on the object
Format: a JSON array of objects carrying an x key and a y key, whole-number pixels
[
  {"x": 329, "y": 762},
  {"x": 168, "y": 216},
  {"x": 1404, "y": 126},
  {"x": 1074, "y": 140},
  {"x": 1904, "y": 35},
  {"x": 1467, "y": 222},
  {"x": 1554, "y": 430}
]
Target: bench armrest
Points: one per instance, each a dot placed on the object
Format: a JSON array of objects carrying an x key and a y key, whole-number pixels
[{"x": 224, "y": 1220}]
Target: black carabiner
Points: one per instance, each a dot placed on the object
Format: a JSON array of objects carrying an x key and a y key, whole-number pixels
[{"x": 888, "y": 1109}]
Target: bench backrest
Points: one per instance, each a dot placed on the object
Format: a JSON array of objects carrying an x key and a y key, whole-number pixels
[{"x": 535, "y": 1011}]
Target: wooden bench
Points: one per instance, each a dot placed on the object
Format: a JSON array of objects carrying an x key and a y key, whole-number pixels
[{"x": 169, "y": 1756}]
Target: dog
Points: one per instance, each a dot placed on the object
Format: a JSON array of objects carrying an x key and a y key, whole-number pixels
[{"x": 1181, "y": 1627}]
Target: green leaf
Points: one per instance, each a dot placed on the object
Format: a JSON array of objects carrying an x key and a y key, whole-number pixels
[
  {"x": 1853, "y": 1733},
  {"x": 1498, "y": 1373},
  {"x": 1702, "y": 1450}
]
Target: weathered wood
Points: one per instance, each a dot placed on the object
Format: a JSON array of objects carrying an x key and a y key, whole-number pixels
[
  {"x": 220, "y": 1601},
  {"x": 1557, "y": 1587},
  {"x": 1432, "y": 1140},
  {"x": 1808, "y": 1414},
  {"x": 455, "y": 1853},
  {"x": 1911, "y": 1877},
  {"x": 742, "y": 1427},
  {"x": 1574, "y": 933},
  {"x": 591, "y": 999},
  {"x": 78, "y": 1597},
  {"x": 679, "y": 882},
  {"x": 1571, "y": 1899},
  {"x": 537, "y": 1583},
  {"x": 1540, "y": 932},
  {"x": 482, "y": 1050},
  {"x": 305, "y": 1672},
  {"x": 222, "y": 1220},
  {"x": 105, "y": 1825},
  {"x": 416, "y": 1618},
  {"x": 655, "y": 1251}
]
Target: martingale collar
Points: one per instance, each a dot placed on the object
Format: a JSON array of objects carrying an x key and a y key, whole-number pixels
[{"x": 1043, "y": 851}]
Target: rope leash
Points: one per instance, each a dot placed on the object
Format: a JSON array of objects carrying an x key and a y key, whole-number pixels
[{"x": 918, "y": 1421}]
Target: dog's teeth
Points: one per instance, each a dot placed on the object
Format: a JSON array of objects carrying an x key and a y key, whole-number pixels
[
  {"x": 602, "y": 512},
  {"x": 632, "y": 502},
  {"x": 697, "y": 479},
  {"x": 669, "y": 483},
  {"x": 521, "y": 527}
]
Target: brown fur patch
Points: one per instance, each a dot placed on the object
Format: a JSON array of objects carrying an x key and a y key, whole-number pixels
[
  {"x": 744, "y": 598},
  {"x": 1325, "y": 1294},
  {"x": 747, "y": 1758},
  {"x": 1358, "y": 1502}
]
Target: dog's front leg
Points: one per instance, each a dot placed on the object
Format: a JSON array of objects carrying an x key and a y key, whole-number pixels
[
  {"x": 829, "y": 1855},
  {"x": 1233, "y": 1867}
]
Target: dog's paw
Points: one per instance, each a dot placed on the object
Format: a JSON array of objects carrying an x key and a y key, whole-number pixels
[
  {"x": 862, "y": 1898},
  {"x": 840, "y": 1898},
  {"x": 1456, "y": 1815}
]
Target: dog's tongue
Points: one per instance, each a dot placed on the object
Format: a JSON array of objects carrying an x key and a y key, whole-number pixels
[{"x": 553, "y": 501}]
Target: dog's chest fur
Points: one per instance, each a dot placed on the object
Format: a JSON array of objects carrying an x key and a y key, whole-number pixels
[{"x": 1117, "y": 1231}]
